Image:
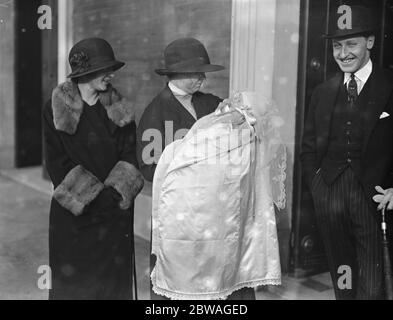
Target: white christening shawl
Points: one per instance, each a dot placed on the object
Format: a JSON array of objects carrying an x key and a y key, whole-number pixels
[{"x": 213, "y": 219}]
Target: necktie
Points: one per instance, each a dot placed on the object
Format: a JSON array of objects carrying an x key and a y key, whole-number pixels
[
  {"x": 186, "y": 101},
  {"x": 352, "y": 89}
]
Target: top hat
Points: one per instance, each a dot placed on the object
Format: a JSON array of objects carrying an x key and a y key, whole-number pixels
[
  {"x": 187, "y": 55},
  {"x": 347, "y": 21},
  {"x": 92, "y": 55}
]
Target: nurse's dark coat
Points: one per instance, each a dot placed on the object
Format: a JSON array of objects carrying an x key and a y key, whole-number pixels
[
  {"x": 87, "y": 149},
  {"x": 165, "y": 120}
]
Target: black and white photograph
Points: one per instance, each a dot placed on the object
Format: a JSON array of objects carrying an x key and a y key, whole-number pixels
[{"x": 196, "y": 150}]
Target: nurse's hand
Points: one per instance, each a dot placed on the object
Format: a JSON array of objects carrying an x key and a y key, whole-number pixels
[
  {"x": 228, "y": 106},
  {"x": 384, "y": 198}
]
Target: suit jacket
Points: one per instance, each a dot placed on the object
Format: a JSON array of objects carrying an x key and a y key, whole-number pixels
[
  {"x": 377, "y": 152},
  {"x": 165, "y": 120}
]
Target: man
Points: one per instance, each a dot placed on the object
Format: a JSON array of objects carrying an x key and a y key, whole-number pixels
[
  {"x": 175, "y": 110},
  {"x": 347, "y": 152}
]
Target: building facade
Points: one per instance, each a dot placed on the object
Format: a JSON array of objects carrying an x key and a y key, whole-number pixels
[{"x": 270, "y": 46}]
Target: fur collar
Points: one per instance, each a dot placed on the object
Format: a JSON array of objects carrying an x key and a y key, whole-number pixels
[{"x": 67, "y": 106}]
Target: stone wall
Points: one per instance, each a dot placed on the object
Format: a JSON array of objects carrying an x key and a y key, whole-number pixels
[{"x": 139, "y": 31}]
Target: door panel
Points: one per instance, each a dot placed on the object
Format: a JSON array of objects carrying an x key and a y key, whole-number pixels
[{"x": 28, "y": 84}]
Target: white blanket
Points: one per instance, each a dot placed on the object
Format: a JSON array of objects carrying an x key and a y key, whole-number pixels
[{"x": 213, "y": 219}]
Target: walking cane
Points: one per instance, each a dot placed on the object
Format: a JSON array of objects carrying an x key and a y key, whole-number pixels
[{"x": 387, "y": 267}]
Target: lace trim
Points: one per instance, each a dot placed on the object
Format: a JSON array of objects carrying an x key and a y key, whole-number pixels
[
  {"x": 279, "y": 197},
  {"x": 173, "y": 295}
]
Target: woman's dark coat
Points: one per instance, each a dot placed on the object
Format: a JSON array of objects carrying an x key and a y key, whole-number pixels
[{"x": 90, "y": 153}]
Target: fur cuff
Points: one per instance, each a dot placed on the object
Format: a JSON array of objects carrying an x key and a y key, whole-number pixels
[
  {"x": 67, "y": 106},
  {"x": 127, "y": 180},
  {"x": 77, "y": 190}
]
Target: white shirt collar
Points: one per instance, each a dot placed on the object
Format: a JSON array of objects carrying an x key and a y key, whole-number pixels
[
  {"x": 176, "y": 90},
  {"x": 363, "y": 74}
]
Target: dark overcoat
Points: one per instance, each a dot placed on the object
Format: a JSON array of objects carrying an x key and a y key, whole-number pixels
[
  {"x": 90, "y": 149},
  {"x": 165, "y": 120}
]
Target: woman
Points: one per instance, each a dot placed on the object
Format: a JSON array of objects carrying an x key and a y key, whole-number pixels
[
  {"x": 179, "y": 105},
  {"x": 174, "y": 110},
  {"x": 89, "y": 132}
]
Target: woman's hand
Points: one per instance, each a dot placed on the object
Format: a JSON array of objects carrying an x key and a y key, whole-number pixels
[{"x": 107, "y": 200}]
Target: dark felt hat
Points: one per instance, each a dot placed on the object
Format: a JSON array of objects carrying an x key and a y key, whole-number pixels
[
  {"x": 90, "y": 56},
  {"x": 187, "y": 55},
  {"x": 347, "y": 21}
]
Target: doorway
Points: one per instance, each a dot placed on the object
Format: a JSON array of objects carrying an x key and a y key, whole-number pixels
[
  {"x": 36, "y": 76},
  {"x": 28, "y": 84},
  {"x": 316, "y": 65}
]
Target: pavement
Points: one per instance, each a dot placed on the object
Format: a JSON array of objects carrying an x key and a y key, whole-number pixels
[{"x": 24, "y": 216}]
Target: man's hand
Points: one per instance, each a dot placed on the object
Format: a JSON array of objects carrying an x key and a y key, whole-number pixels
[{"x": 384, "y": 198}]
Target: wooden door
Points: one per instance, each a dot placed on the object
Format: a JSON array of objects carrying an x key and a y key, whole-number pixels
[{"x": 28, "y": 84}]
